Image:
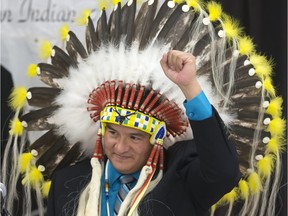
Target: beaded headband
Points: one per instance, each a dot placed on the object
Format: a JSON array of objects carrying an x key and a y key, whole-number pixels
[
  {"x": 118, "y": 103},
  {"x": 133, "y": 119}
]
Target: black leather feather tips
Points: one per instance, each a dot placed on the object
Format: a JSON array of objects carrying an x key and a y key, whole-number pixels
[
  {"x": 114, "y": 26},
  {"x": 49, "y": 74},
  {"x": 55, "y": 152},
  {"x": 38, "y": 120},
  {"x": 42, "y": 96},
  {"x": 143, "y": 23},
  {"x": 75, "y": 48},
  {"x": 91, "y": 39}
]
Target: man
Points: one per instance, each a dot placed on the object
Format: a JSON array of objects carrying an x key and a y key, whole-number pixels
[{"x": 197, "y": 173}]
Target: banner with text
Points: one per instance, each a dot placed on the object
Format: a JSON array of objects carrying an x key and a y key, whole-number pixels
[{"x": 24, "y": 23}]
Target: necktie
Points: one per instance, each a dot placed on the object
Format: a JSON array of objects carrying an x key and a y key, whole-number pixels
[{"x": 125, "y": 187}]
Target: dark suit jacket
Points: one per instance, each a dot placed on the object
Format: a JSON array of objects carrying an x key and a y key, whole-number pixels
[
  {"x": 6, "y": 112},
  {"x": 198, "y": 173}
]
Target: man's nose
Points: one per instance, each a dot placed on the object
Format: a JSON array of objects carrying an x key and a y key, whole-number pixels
[{"x": 122, "y": 145}]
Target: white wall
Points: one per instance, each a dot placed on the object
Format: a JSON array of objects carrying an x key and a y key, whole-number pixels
[{"x": 26, "y": 22}]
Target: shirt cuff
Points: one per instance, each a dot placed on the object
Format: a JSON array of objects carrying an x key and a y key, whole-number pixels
[{"x": 198, "y": 108}]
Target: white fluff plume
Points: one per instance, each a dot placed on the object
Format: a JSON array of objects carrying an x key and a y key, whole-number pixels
[{"x": 109, "y": 63}]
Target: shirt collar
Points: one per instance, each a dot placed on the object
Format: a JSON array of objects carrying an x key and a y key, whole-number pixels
[{"x": 113, "y": 174}]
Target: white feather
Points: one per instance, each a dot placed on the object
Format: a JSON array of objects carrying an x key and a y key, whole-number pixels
[{"x": 110, "y": 63}]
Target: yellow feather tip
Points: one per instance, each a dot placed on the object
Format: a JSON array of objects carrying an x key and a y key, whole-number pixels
[
  {"x": 231, "y": 196},
  {"x": 265, "y": 166},
  {"x": 215, "y": 10},
  {"x": 63, "y": 31},
  {"x": 45, "y": 49},
  {"x": 254, "y": 183},
  {"x": 17, "y": 98},
  {"x": 275, "y": 107},
  {"x": 213, "y": 209},
  {"x": 82, "y": 19},
  {"x": 180, "y": 1},
  {"x": 35, "y": 177},
  {"x": 196, "y": 4},
  {"x": 16, "y": 128},
  {"x": 24, "y": 180},
  {"x": 262, "y": 65},
  {"x": 231, "y": 27},
  {"x": 46, "y": 188},
  {"x": 256, "y": 59},
  {"x": 228, "y": 198},
  {"x": 103, "y": 4},
  {"x": 243, "y": 189},
  {"x": 246, "y": 46},
  {"x": 32, "y": 70},
  {"x": 24, "y": 162},
  {"x": 115, "y": 2},
  {"x": 269, "y": 87},
  {"x": 277, "y": 127},
  {"x": 275, "y": 145},
  {"x": 264, "y": 69}
]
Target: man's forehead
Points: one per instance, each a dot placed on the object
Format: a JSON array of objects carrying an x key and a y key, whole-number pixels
[{"x": 125, "y": 129}]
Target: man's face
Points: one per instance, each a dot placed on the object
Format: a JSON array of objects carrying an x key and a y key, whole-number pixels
[{"x": 127, "y": 149}]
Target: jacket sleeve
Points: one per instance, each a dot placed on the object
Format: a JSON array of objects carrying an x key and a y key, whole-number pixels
[
  {"x": 67, "y": 185},
  {"x": 216, "y": 170}
]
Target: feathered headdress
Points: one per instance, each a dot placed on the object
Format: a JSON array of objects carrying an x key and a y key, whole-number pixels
[{"x": 87, "y": 84}]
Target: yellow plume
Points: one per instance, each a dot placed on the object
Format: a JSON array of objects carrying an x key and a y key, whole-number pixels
[
  {"x": 45, "y": 49},
  {"x": 264, "y": 69},
  {"x": 17, "y": 98},
  {"x": 45, "y": 188},
  {"x": 243, "y": 189},
  {"x": 24, "y": 162},
  {"x": 275, "y": 145},
  {"x": 181, "y": 1},
  {"x": 254, "y": 183},
  {"x": 215, "y": 10},
  {"x": 16, "y": 128},
  {"x": 103, "y": 4},
  {"x": 257, "y": 59},
  {"x": 265, "y": 166},
  {"x": 230, "y": 197},
  {"x": 275, "y": 107},
  {"x": 32, "y": 70},
  {"x": 246, "y": 46},
  {"x": 195, "y": 4},
  {"x": 63, "y": 31},
  {"x": 213, "y": 209},
  {"x": 231, "y": 27},
  {"x": 83, "y": 17},
  {"x": 269, "y": 87},
  {"x": 262, "y": 65},
  {"x": 277, "y": 127},
  {"x": 35, "y": 177},
  {"x": 115, "y": 2}
]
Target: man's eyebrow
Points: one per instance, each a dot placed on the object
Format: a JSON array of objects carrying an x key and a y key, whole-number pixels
[
  {"x": 141, "y": 134},
  {"x": 110, "y": 127},
  {"x": 138, "y": 134}
]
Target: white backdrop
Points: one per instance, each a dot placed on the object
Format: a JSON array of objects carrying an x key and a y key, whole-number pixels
[{"x": 24, "y": 23}]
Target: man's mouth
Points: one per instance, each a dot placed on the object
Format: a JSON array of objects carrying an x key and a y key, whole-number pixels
[{"x": 121, "y": 157}]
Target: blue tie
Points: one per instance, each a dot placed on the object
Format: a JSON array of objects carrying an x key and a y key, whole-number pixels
[{"x": 125, "y": 187}]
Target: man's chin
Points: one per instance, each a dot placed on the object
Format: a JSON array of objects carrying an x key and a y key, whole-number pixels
[{"x": 122, "y": 165}]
